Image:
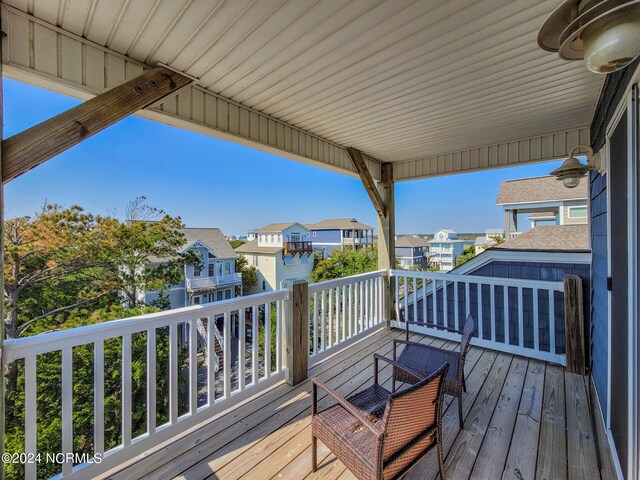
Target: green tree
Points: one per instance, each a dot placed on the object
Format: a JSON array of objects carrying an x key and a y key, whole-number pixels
[
  {"x": 146, "y": 254},
  {"x": 249, "y": 275},
  {"x": 344, "y": 263},
  {"x": 467, "y": 255},
  {"x": 236, "y": 243}
]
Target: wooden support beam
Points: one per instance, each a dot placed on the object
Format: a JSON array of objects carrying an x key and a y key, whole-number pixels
[
  {"x": 367, "y": 180},
  {"x": 574, "y": 324},
  {"x": 386, "y": 240},
  {"x": 41, "y": 142},
  {"x": 296, "y": 331}
]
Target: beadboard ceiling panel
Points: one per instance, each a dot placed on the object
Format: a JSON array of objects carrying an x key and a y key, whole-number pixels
[{"x": 402, "y": 80}]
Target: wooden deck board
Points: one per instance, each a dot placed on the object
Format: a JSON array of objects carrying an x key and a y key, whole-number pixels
[{"x": 520, "y": 423}]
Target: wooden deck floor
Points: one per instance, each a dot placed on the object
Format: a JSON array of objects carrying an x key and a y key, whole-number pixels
[{"x": 524, "y": 419}]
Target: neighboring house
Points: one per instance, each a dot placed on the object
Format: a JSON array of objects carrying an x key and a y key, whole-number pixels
[
  {"x": 445, "y": 248},
  {"x": 279, "y": 251},
  {"x": 217, "y": 280},
  {"x": 488, "y": 240},
  {"x": 328, "y": 235},
  {"x": 546, "y": 200},
  {"x": 412, "y": 251},
  {"x": 543, "y": 218}
]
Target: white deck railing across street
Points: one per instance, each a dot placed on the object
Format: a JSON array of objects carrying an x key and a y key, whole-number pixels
[
  {"x": 213, "y": 281},
  {"x": 343, "y": 308},
  {"x": 533, "y": 310},
  {"x": 197, "y": 384},
  {"x": 185, "y": 385}
]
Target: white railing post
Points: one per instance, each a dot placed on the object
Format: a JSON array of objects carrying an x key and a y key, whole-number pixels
[{"x": 296, "y": 327}]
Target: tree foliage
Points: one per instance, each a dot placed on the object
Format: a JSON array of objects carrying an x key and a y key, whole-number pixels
[
  {"x": 249, "y": 274},
  {"x": 66, "y": 258},
  {"x": 467, "y": 255},
  {"x": 345, "y": 263},
  {"x": 236, "y": 243}
]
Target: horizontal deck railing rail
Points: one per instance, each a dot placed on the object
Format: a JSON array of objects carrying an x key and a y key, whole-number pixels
[
  {"x": 165, "y": 345},
  {"x": 525, "y": 317},
  {"x": 343, "y": 308}
]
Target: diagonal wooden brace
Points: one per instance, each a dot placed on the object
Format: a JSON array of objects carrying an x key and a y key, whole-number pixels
[
  {"x": 36, "y": 145},
  {"x": 367, "y": 180}
]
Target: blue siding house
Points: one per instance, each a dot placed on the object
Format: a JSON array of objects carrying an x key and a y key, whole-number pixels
[
  {"x": 412, "y": 251},
  {"x": 339, "y": 233}
]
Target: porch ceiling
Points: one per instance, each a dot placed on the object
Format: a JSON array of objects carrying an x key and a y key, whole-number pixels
[{"x": 437, "y": 86}]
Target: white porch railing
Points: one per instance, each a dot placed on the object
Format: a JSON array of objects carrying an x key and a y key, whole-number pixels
[
  {"x": 194, "y": 392},
  {"x": 343, "y": 308},
  {"x": 524, "y": 317},
  {"x": 517, "y": 316},
  {"x": 212, "y": 282}
]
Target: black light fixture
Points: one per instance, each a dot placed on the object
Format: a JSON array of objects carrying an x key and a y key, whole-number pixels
[
  {"x": 605, "y": 33},
  {"x": 572, "y": 169}
]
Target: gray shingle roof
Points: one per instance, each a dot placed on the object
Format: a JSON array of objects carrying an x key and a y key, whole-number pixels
[
  {"x": 252, "y": 247},
  {"x": 212, "y": 238},
  {"x": 538, "y": 189},
  {"x": 411, "y": 241},
  {"x": 275, "y": 227},
  {"x": 339, "y": 223},
  {"x": 552, "y": 238}
]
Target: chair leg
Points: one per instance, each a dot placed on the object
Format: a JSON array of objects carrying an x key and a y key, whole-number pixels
[
  {"x": 440, "y": 458},
  {"x": 460, "y": 412},
  {"x": 464, "y": 384},
  {"x": 314, "y": 453}
]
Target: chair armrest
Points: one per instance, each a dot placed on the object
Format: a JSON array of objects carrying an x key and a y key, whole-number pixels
[
  {"x": 348, "y": 407},
  {"x": 408, "y": 370},
  {"x": 446, "y": 351}
]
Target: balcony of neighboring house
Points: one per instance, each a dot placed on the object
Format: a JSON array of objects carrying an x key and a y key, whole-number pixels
[
  {"x": 220, "y": 401},
  {"x": 213, "y": 281},
  {"x": 297, "y": 247}
]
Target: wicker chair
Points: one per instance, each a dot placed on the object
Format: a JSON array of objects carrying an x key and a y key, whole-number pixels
[
  {"x": 426, "y": 359},
  {"x": 376, "y": 433}
]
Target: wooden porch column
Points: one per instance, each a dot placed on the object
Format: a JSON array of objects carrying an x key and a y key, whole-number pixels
[
  {"x": 574, "y": 324},
  {"x": 387, "y": 240},
  {"x": 382, "y": 197},
  {"x": 296, "y": 330},
  {"x": 37, "y": 144}
]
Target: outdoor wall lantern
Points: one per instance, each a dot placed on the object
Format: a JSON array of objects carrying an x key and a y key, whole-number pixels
[
  {"x": 572, "y": 169},
  {"x": 605, "y": 33}
]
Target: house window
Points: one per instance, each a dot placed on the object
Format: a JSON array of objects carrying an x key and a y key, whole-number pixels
[
  {"x": 219, "y": 295},
  {"x": 264, "y": 285},
  {"x": 227, "y": 268},
  {"x": 196, "y": 300},
  {"x": 211, "y": 267},
  {"x": 227, "y": 294},
  {"x": 578, "y": 212},
  {"x": 211, "y": 255},
  {"x": 196, "y": 271},
  {"x": 314, "y": 234}
]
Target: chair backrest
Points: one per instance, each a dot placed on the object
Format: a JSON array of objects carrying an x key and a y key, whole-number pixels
[
  {"x": 467, "y": 333},
  {"x": 412, "y": 411}
]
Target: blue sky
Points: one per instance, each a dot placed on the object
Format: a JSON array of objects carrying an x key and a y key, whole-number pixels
[{"x": 215, "y": 183}]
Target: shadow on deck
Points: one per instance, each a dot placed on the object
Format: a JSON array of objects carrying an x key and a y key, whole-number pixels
[{"x": 524, "y": 419}]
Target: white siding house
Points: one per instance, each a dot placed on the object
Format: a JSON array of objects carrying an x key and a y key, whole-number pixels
[
  {"x": 445, "y": 248},
  {"x": 279, "y": 251}
]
